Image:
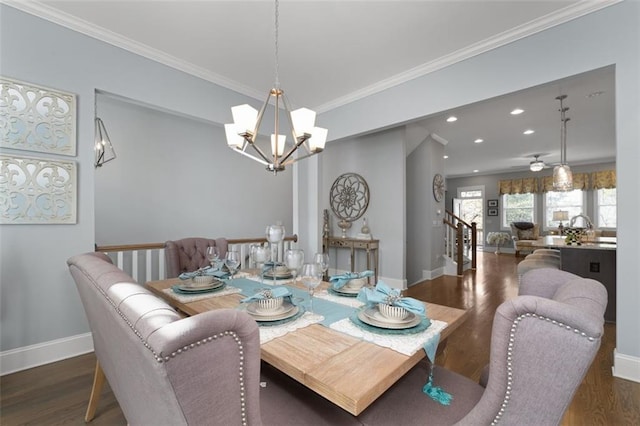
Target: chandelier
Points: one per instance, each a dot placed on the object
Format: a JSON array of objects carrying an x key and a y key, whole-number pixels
[
  {"x": 243, "y": 132},
  {"x": 562, "y": 176},
  {"x": 536, "y": 165}
]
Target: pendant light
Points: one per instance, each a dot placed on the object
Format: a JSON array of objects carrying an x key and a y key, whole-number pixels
[{"x": 562, "y": 176}]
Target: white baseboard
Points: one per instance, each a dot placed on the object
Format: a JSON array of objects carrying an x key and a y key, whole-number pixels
[
  {"x": 26, "y": 357},
  {"x": 626, "y": 366},
  {"x": 431, "y": 274}
]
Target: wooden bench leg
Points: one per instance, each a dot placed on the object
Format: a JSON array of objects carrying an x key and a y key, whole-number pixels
[{"x": 98, "y": 382}]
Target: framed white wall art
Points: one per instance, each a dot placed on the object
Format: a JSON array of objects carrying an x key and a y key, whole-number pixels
[
  {"x": 37, "y": 190},
  {"x": 34, "y": 118}
]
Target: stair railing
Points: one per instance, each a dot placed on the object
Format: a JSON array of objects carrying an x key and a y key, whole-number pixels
[
  {"x": 145, "y": 262},
  {"x": 460, "y": 239}
]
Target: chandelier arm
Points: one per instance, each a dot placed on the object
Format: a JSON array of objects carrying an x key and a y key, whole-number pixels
[
  {"x": 286, "y": 156},
  {"x": 295, "y": 160},
  {"x": 253, "y": 157},
  {"x": 257, "y": 149}
]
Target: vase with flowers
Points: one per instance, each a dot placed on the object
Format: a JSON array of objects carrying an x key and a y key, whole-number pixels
[{"x": 497, "y": 239}]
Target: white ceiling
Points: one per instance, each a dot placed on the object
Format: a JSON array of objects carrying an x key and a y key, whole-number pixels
[{"x": 334, "y": 52}]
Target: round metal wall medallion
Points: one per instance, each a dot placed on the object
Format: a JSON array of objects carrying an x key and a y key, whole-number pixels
[{"x": 349, "y": 197}]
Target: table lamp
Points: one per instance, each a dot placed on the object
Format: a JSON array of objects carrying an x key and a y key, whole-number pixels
[{"x": 559, "y": 216}]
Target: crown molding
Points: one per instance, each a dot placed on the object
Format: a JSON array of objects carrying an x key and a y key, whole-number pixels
[
  {"x": 576, "y": 10},
  {"x": 44, "y": 11},
  {"x": 537, "y": 25}
]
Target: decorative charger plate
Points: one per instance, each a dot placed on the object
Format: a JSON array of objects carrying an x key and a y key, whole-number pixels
[
  {"x": 278, "y": 275},
  {"x": 287, "y": 310},
  {"x": 373, "y": 317},
  {"x": 185, "y": 289},
  {"x": 337, "y": 292},
  {"x": 349, "y": 291}
]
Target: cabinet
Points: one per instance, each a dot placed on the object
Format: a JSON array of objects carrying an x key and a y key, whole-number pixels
[{"x": 353, "y": 244}]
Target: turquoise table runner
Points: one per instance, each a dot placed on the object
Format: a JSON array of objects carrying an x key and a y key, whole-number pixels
[{"x": 331, "y": 311}]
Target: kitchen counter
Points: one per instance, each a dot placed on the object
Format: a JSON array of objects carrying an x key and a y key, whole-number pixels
[{"x": 598, "y": 243}]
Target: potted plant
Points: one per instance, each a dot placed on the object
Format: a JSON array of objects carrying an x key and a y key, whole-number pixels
[{"x": 497, "y": 239}]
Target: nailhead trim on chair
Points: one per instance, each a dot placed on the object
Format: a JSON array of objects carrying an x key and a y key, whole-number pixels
[
  {"x": 512, "y": 335},
  {"x": 186, "y": 347}
]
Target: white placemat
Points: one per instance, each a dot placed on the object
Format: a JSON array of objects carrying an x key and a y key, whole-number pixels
[
  {"x": 348, "y": 301},
  {"x": 186, "y": 298},
  {"x": 268, "y": 333},
  {"x": 406, "y": 344}
]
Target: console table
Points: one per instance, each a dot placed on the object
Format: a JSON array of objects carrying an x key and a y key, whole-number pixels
[{"x": 353, "y": 244}]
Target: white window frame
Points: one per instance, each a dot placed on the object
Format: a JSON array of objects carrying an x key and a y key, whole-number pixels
[
  {"x": 506, "y": 226},
  {"x": 596, "y": 211},
  {"x": 544, "y": 226}
]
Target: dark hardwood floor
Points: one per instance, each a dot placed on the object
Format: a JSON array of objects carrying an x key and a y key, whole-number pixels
[{"x": 57, "y": 393}]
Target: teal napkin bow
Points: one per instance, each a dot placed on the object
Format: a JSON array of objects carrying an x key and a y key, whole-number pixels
[
  {"x": 207, "y": 270},
  {"x": 385, "y": 294},
  {"x": 339, "y": 281},
  {"x": 274, "y": 292}
]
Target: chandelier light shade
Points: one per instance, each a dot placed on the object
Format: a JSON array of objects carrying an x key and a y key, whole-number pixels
[
  {"x": 243, "y": 132},
  {"x": 562, "y": 176},
  {"x": 536, "y": 165}
]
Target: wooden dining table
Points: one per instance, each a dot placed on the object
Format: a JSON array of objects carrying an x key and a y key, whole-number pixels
[{"x": 350, "y": 372}]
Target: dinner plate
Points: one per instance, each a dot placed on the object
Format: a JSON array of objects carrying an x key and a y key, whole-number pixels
[
  {"x": 278, "y": 275},
  {"x": 285, "y": 308},
  {"x": 384, "y": 324},
  {"x": 288, "y": 313},
  {"x": 198, "y": 288},
  {"x": 375, "y": 314},
  {"x": 346, "y": 290}
]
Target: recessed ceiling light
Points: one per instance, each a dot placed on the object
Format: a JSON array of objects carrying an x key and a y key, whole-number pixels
[
  {"x": 479, "y": 140},
  {"x": 452, "y": 119},
  {"x": 476, "y": 171},
  {"x": 445, "y": 156},
  {"x": 528, "y": 132},
  {"x": 517, "y": 111}
]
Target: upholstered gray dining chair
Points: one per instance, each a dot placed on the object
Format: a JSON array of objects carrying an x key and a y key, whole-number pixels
[
  {"x": 165, "y": 369},
  {"x": 189, "y": 254},
  {"x": 543, "y": 342}
]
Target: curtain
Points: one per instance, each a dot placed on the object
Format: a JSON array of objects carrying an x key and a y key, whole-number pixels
[
  {"x": 603, "y": 180},
  {"x": 580, "y": 181},
  {"x": 518, "y": 186}
]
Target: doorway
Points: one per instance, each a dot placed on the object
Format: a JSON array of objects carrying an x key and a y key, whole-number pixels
[{"x": 469, "y": 206}]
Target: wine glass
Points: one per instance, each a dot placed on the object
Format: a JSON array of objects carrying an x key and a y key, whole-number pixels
[
  {"x": 311, "y": 276},
  {"x": 259, "y": 255},
  {"x": 213, "y": 255},
  {"x": 275, "y": 234},
  {"x": 232, "y": 260},
  {"x": 322, "y": 259},
  {"x": 294, "y": 259}
]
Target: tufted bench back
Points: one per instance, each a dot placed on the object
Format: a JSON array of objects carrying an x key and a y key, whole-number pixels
[
  {"x": 189, "y": 254},
  {"x": 164, "y": 369}
]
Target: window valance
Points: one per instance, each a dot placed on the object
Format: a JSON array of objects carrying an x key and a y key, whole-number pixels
[
  {"x": 603, "y": 180},
  {"x": 518, "y": 186},
  {"x": 580, "y": 181}
]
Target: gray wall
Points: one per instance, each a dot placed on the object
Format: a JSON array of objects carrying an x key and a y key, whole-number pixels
[
  {"x": 425, "y": 243},
  {"x": 38, "y": 299},
  {"x": 175, "y": 177},
  {"x": 609, "y": 36},
  {"x": 490, "y": 182},
  {"x": 379, "y": 159}
]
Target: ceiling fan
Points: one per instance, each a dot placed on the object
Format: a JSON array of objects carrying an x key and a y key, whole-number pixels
[{"x": 536, "y": 165}]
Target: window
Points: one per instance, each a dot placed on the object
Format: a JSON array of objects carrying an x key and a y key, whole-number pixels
[
  {"x": 518, "y": 208},
  {"x": 571, "y": 201},
  {"x": 606, "y": 216}
]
